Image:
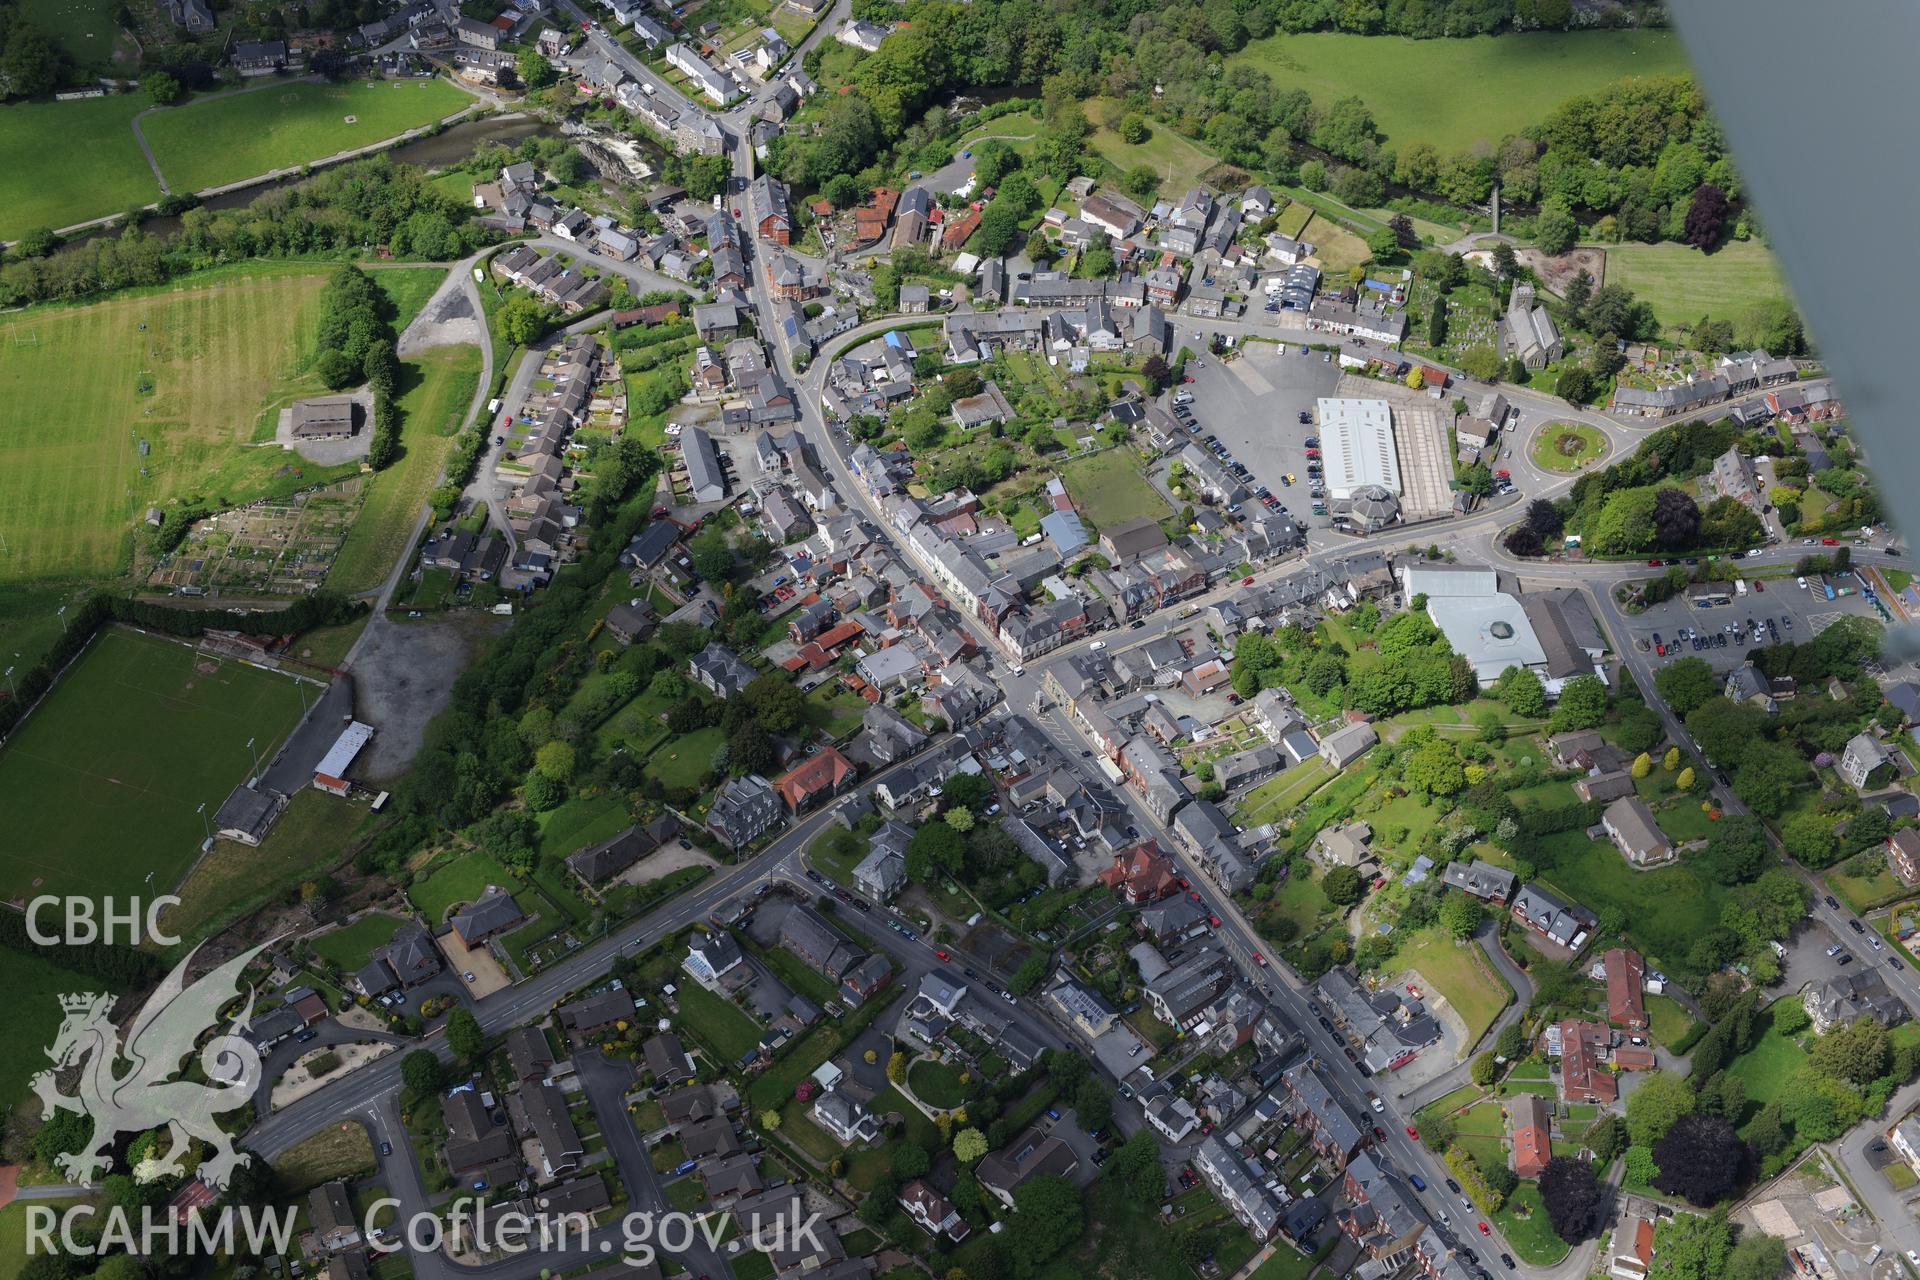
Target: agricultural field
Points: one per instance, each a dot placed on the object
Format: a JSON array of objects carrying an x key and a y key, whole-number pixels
[
  {"x": 1683, "y": 284},
  {"x": 196, "y": 370},
  {"x": 40, "y": 186},
  {"x": 104, "y": 781},
  {"x": 435, "y": 389},
  {"x": 1109, "y": 489},
  {"x": 1413, "y": 87},
  {"x": 209, "y": 142}
]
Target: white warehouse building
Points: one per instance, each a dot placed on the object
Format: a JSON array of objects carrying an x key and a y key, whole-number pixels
[{"x": 1356, "y": 446}]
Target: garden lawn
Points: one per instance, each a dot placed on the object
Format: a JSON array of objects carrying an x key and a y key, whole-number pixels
[
  {"x": 1567, "y": 446},
  {"x": 1280, "y": 793},
  {"x": 730, "y": 1032},
  {"x": 103, "y": 784},
  {"x": 349, "y": 947},
  {"x": 435, "y": 390},
  {"x": 935, "y": 1083},
  {"x": 1666, "y": 909},
  {"x": 1531, "y": 1236},
  {"x": 216, "y": 353},
  {"x": 579, "y": 823},
  {"x": 1863, "y": 892},
  {"x": 1766, "y": 1068},
  {"x": 1413, "y": 87},
  {"x": 462, "y": 880},
  {"x": 1683, "y": 284},
  {"x": 42, "y": 186},
  {"x": 1669, "y": 1022},
  {"x": 1459, "y": 973},
  {"x": 683, "y": 761},
  {"x": 209, "y": 142}
]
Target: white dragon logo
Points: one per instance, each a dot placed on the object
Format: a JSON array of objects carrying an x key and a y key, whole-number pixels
[{"x": 146, "y": 1097}]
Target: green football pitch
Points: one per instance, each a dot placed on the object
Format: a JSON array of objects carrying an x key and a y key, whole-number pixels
[{"x": 102, "y": 783}]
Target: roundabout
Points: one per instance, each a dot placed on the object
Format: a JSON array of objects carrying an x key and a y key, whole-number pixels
[{"x": 1565, "y": 447}]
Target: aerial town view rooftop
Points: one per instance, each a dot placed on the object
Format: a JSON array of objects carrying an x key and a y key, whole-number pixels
[{"x": 1229, "y": 641}]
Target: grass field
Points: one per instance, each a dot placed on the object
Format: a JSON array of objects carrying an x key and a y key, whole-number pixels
[
  {"x": 683, "y": 761},
  {"x": 1684, "y": 284},
  {"x": 1414, "y": 87},
  {"x": 1767, "y": 1068},
  {"x": 316, "y": 831},
  {"x": 216, "y": 351},
  {"x": 1460, "y": 974},
  {"x": 1530, "y": 1235},
  {"x": 436, "y": 387},
  {"x": 39, "y": 184},
  {"x": 36, "y": 986},
  {"x": 212, "y": 141},
  {"x": 1666, "y": 909},
  {"x": 349, "y": 946},
  {"x": 408, "y": 288},
  {"x": 1109, "y": 489},
  {"x": 342, "y": 1150},
  {"x": 13, "y": 1233},
  {"x": 1175, "y": 161},
  {"x": 579, "y": 823},
  {"x": 1567, "y": 446},
  {"x": 730, "y": 1032},
  {"x": 86, "y": 29},
  {"x": 101, "y": 784}
]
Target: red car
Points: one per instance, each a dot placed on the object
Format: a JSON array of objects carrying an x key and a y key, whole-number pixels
[
  {"x": 1247, "y": 581},
  {"x": 659, "y": 513},
  {"x": 943, "y": 955},
  {"x": 1483, "y": 1229},
  {"x": 1653, "y": 564},
  {"x": 1259, "y": 959},
  {"x": 1829, "y": 542},
  {"x": 1413, "y": 1133},
  {"x": 1758, "y": 585},
  {"x": 1213, "y": 921},
  {"x": 1504, "y": 475}
]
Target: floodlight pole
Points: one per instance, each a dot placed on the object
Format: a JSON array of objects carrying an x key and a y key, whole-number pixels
[{"x": 202, "y": 811}]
